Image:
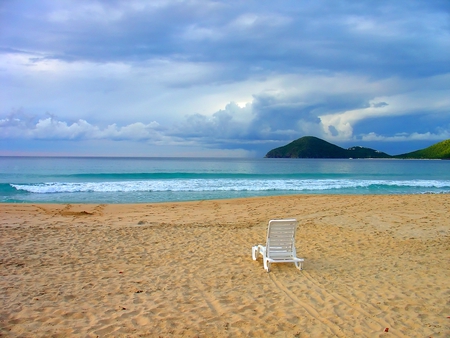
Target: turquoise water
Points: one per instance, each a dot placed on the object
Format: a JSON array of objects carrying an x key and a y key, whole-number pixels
[{"x": 138, "y": 180}]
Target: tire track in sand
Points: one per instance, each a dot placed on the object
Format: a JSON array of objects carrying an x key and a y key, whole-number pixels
[
  {"x": 345, "y": 302},
  {"x": 209, "y": 300},
  {"x": 310, "y": 309},
  {"x": 340, "y": 302}
]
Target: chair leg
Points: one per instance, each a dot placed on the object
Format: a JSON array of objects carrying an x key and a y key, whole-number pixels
[
  {"x": 255, "y": 252},
  {"x": 266, "y": 264},
  {"x": 299, "y": 265}
]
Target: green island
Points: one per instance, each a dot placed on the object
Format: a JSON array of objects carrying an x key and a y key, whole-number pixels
[{"x": 313, "y": 147}]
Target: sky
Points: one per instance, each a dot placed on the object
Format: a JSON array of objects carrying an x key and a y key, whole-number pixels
[{"x": 221, "y": 78}]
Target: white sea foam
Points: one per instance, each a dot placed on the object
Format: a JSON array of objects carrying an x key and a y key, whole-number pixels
[{"x": 199, "y": 185}]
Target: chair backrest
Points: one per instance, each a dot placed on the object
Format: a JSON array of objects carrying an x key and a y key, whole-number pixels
[{"x": 281, "y": 238}]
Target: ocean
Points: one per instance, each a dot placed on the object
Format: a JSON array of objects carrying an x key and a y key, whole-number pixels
[{"x": 144, "y": 180}]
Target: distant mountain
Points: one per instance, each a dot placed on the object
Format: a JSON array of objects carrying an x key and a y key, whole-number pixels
[
  {"x": 313, "y": 147},
  {"x": 439, "y": 151}
]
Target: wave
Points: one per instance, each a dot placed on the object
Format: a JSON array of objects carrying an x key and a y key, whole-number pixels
[{"x": 224, "y": 184}]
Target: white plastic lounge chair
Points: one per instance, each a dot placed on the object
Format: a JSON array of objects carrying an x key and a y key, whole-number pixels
[{"x": 280, "y": 244}]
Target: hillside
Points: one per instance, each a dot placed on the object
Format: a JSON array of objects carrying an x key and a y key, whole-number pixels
[
  {"x": 439, "y": 150},
  {"x": 313, "y": 147}
]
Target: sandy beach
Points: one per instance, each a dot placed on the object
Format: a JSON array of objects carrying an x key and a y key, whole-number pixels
[{"x": 375, "y": 266}]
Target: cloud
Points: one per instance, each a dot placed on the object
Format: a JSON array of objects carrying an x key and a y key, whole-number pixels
[
  {"x": 322, "y": 35},
  {"x": 19, "y": 125},
  {"x": 224, "y": 74},
  {"x": 444, "y": 134},
  {"x": 225, "y": 129},
  {"x": 335, "y": 108},
  {"x": 409, "y": 104}
]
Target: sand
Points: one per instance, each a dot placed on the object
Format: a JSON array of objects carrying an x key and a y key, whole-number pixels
[{"x": 375, "y": 266}]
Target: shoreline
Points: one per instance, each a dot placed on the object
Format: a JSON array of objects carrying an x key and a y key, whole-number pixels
[
  {"x": 184, "y": 268},
  {"x": 227, "y": 198}
]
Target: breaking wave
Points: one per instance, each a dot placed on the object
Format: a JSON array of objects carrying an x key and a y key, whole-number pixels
[{"x": 224, "y": 184}]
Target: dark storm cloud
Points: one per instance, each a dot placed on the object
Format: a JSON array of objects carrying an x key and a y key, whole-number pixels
[{"x": 379, "y": 38}]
